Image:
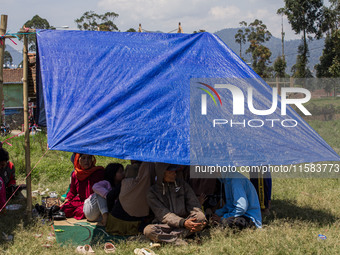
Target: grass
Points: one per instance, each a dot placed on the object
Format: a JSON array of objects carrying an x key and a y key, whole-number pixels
[
  {"x": 329, "y": 131},
  {"x": 325, "y": 101},
  {"x": 302, "y": 209}
]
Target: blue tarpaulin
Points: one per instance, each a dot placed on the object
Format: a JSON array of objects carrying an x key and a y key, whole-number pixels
[{"x": 127, "y": 95}]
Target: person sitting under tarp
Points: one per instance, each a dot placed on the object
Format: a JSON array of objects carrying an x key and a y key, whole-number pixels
[
  {"x": 106, "y": 192},
  {"x": 131, "y": 209},
  {"x": 85, "y": 175},
  {"x": 209, "y": 191},
  {"x": 177, "y": 210},
  {"x": 7, "y": 173},
  {"x": 242, "y": 207},
  {"x": 262, "y": 180}
]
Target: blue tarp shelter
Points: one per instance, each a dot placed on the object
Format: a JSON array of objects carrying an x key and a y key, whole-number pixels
[{"x": 131, "y": 96}]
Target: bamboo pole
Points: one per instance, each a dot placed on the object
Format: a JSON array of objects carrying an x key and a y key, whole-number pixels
[
  {"x": 26, "y": 128},
  {"x": 278, "y": 85},
  {"x": 3, "y": 28}
]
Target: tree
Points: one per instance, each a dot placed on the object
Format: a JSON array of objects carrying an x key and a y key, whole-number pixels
[
  {"x": 305, "y": 16},
  {"x": 131, "y": 30},
  {"x": 93, "y": 21},
  {"x": 328, "y": 54},
  {"x": 241, "y": 36},
  {"x": 257, "y": 34},
  {"x": 8, "y": 60},
  {"x": 38, "y": 23},
  {"x": 330, "y": 60},
  {"x": 331, "y": 17},
  {"x": 331, "y": 51},
  {"x": 334, "y": 69},
  {"x": 300, "y": 69},
  {"x": 280, "y": 67}
]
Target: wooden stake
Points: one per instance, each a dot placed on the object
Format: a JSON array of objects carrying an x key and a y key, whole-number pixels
[
  {"x": 3, "y": 28},
  {"x": 26, "y": 128}
]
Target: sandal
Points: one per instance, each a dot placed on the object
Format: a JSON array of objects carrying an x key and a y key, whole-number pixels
[
  {"x": 109, "y": 248},
  {"x": 144, "y": 251},
  {"x": 155, "y": 245},
  {"x": 84, "y": 249}
]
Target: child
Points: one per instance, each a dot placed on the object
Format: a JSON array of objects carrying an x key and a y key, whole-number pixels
[
  {"x": 106, "y": 192},
  {"x": 7, "y": 173}
]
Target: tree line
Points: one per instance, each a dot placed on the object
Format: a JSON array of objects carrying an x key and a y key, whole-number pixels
[{"x": 309, "y": 18}]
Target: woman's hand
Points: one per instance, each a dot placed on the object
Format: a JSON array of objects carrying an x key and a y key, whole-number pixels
[{"x": 66, "y": 200}]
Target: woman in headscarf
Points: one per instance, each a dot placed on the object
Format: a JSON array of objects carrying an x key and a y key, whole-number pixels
[{"x": 84, "y": 176}]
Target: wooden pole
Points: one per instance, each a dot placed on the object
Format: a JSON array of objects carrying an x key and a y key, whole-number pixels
[
  {"x": 26, "y": 128},
  {"x": 291, "y": 82},
  {"x": 3, "y": 28},
  {"x": 282, "y": 39},
  {"x": 278, "y": 86}
]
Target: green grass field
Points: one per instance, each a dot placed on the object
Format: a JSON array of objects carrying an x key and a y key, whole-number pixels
[
  {"x": 301, "y": 210},
  {"x": 324, "y": 101}
]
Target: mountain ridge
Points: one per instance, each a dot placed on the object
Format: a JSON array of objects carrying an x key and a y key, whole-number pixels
[{"x": 274, "y": 44}]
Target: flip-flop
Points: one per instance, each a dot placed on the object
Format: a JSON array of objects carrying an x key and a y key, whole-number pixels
[
  {"x": 109, "y": 248},
  {"x": 85, "y": 249},
  {"x": 144, "y": 251},
  {"x": 155, "y": 245}
]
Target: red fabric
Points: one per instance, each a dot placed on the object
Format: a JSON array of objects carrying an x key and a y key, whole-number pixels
[
  {"x": 80, "y": 172},
  {"x": 74, "y": 208},
  {"x": 12, "y": 180},
  {"x": 79, "y": 191},
  {"x": 8, "y": 175}
]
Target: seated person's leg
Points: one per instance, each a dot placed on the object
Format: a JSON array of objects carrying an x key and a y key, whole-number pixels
[
  {"x": 70, "y": 207},
  {"x": 91, "y": 208},
  {"x": 102, "y": 206},
  {"x": 161, "y": 233},
  {"x": 79, "y": 212}
]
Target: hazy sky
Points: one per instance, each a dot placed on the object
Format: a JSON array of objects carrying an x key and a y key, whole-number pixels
[{"x": 162, "y": 15}]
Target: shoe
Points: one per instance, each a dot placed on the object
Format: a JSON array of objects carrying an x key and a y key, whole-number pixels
[
  {"x": 144, "y": 251},
  {"x": 109, "y": 248},
  {"x": 59, "y": 215},
  {"x": 85, "y": 249},
  {"x": 155, "y": 245}
]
